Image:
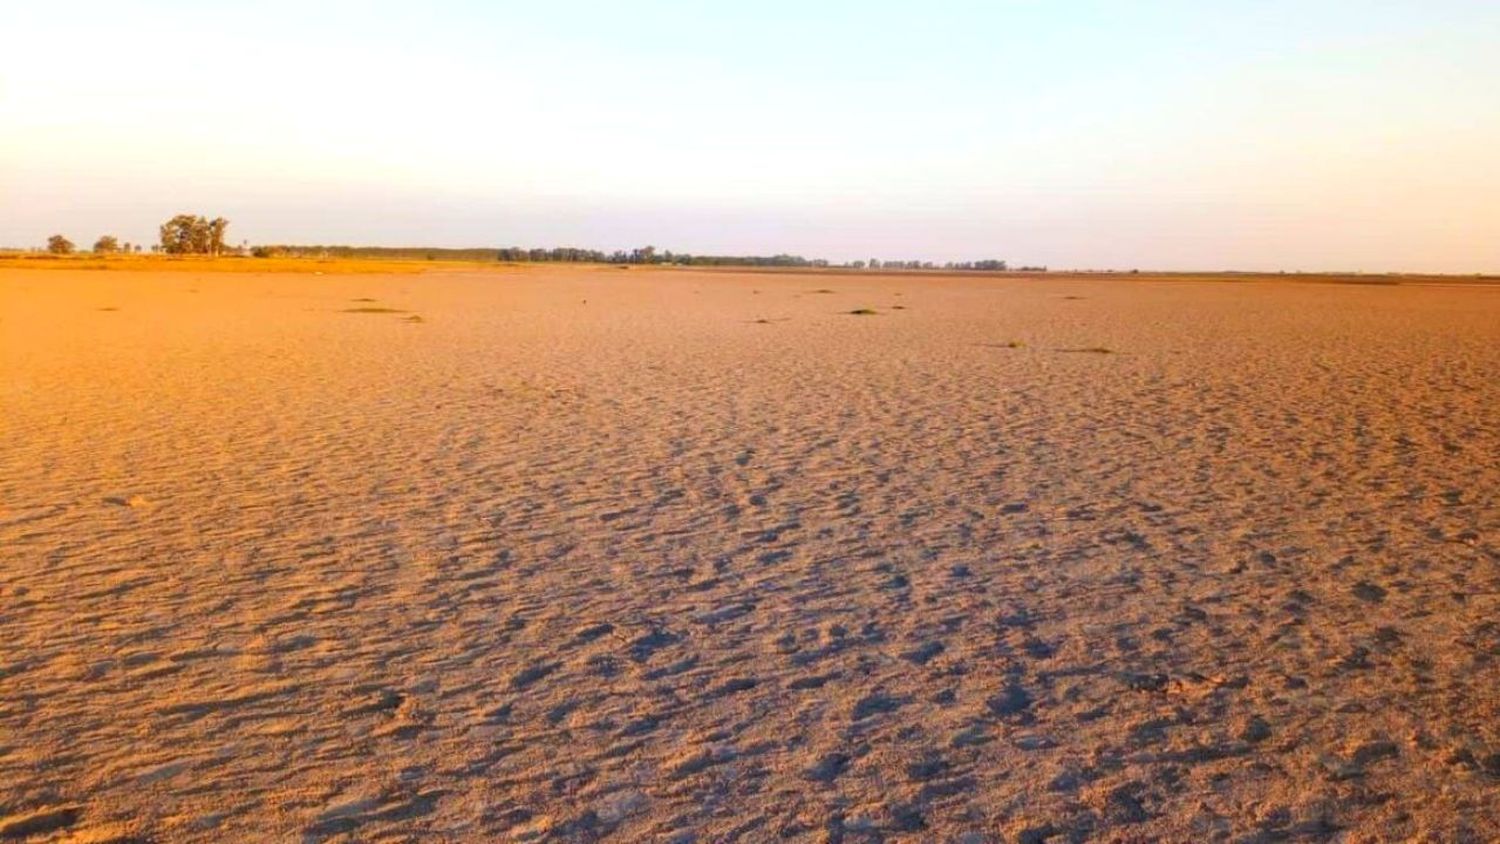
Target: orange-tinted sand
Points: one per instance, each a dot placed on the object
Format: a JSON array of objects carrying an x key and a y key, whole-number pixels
[{"x": 672, "y": 556}]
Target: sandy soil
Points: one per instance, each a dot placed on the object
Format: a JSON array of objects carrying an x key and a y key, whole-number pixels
[{"x": 670, "y": 556}]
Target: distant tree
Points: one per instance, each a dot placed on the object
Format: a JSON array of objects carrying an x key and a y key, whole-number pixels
[
  {"x": 177, "y": 235},
  {"x": 216, "y": 228},
  {"x": 186, "y": 234},
  {"x": 127, "y": 248},
  {"x": 987, "y": 265},
  {"x": 59, "y": 245},
  {"x": 107, "y": 245}
]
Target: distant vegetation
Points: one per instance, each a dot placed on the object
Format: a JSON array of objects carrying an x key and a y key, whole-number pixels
[
  {"x": 987, "y": 265},
  {"x": 186, "y": 234},
  {"x": 107, "y": 244},
  {"x": 576, "y": 255},
  {"x": 410, "y": 253},
  {"x": 518, "y": 254},
  {"x": 190, "y": 234}
]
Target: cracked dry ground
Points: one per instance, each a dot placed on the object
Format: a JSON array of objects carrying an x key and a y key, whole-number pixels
[{"x": 590, "y": 555}]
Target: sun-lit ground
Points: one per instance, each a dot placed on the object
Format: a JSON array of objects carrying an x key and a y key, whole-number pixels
[{"x": 578, "y": 553}]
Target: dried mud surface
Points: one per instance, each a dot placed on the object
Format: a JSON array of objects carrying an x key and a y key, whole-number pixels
[{"x": 589, "y": 554}]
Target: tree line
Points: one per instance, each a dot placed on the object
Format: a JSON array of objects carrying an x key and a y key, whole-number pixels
[
  {"x": 107, "y": 244},
  {"x": 408, "y": 253},
  {"x": 650, "y": 255},
  {"x": 183, "y": 234},
  {"x": 190, "y": 234},
  {"x": 520, "y": 254}
]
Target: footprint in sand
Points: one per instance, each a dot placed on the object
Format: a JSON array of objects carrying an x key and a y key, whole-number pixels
[
  {"x": 923, "y": 653},
  {"x": 134, "y": 502},
  {"x": 532, "y": 673},
  {"x": 826, "y": 768},
  {"x": 39, "y": 822}
]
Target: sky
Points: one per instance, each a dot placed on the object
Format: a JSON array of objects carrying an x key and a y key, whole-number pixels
[{"x": 1258, "y": 135}]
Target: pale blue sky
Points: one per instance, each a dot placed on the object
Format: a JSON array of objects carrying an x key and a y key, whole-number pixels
[{"x": 1256, "y": 135}]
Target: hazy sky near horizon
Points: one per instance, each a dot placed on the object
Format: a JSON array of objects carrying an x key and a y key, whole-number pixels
[{"x": 1262, "y": 134}]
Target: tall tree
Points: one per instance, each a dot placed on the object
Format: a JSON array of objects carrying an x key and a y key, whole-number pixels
[
  {"x": 106, "y": 244},
  {"x": 177, "y": 234},
  {"x": 59, "y": 245},
  {"x": 216, "y": 228},
  {"x": 186, "y": 234}
]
